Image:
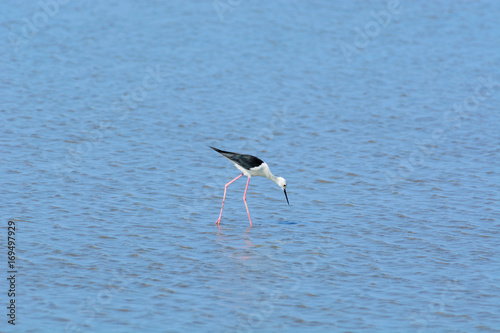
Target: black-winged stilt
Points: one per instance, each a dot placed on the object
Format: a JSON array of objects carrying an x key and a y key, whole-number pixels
[{"x": 250, "y": 166}]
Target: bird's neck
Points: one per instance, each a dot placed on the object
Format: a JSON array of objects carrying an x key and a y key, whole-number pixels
[
  {"x": 272, "y": 177},
  {"x": 269, "y": 174}
]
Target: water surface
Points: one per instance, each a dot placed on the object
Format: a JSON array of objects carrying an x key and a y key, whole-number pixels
[{"x": 106, "y": 113}]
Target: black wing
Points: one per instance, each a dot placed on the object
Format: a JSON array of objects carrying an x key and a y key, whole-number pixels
[{"x": 246, "y": 161}]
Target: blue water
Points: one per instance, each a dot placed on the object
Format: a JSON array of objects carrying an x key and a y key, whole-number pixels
[{"x": 382, "y": 117}]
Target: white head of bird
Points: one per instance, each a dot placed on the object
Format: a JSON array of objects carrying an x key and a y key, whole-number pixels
[{"x": 282, "y": 183}]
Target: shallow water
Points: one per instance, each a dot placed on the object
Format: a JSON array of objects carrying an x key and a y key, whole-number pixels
[{"x": 107, "y": 110}]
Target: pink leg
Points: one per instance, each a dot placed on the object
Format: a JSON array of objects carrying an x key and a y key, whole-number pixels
[
  {"x": 245, "y": 200},
  {"x": 224, "y": 198}
]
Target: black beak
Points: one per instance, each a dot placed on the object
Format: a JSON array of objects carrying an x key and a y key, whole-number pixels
[{"x": 286, "y": 198}]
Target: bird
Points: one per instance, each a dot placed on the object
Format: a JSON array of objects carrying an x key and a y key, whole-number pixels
[{"x": 249, "y": 166}]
